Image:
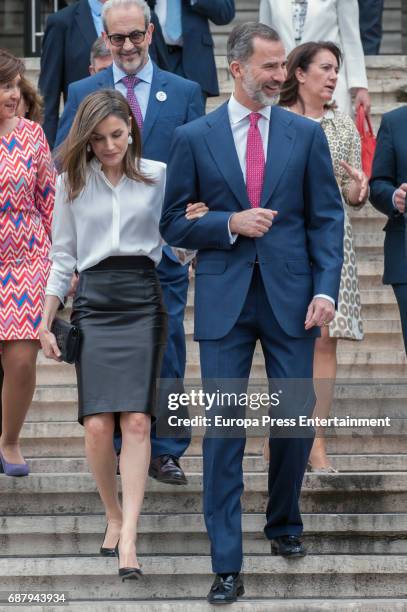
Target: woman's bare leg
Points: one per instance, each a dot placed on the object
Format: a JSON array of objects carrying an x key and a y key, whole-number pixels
[
  {"x": 99, "y": 429},
  {"x": 324, "y": 376},
  {"x": 19, "y": 364},
  {"x": 134, "y": 463}
]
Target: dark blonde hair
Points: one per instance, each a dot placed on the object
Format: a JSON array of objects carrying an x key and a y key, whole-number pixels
[
  {"x": 73, "y": 156},
  {"x": 301, "y": 57},
  {"x": 10, "y": 67},
  {"x": 33, "y": 101}
]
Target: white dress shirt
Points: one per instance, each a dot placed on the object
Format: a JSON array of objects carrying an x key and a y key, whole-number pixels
[
  {"x": 105, "y": 220},
  {"x": 240, "y": 123},
  {"x": 142, "y": 89}
]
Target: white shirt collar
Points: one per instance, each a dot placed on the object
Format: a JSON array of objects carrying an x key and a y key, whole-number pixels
[
  {"x": 237, "y": 111},
  {"x": 145, "y": 74}
]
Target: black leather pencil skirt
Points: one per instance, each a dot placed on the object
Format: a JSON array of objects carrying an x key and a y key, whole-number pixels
[{"x": 119, "y": 310}]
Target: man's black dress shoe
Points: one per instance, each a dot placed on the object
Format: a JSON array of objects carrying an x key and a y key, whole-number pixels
[
  {"x": 167, "y": 469},
  {"x": 288, "y": 546},
  {"x": 226, "y": 588}
]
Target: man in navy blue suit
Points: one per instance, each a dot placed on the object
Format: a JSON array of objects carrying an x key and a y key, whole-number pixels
[
  {"x": 164, "y": 101},
  {"x": 269, "y": 261},
  {"x": 388, "y": 189},
  {"x": 68, "y": 38},
  {"x": 185, "y": 28}
]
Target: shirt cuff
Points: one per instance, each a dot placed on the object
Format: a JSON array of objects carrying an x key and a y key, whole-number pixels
[
  {"x": 326, "y": 297},
  {"x": 232, "y": 237}
]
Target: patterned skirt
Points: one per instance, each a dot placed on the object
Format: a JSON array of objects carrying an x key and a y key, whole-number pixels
[
  {"x": 22, "y": 284},
  {"x": 347, "y": 323}
]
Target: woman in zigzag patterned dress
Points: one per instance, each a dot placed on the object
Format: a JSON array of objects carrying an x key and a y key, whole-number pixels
[{"x": 27, "y": 187}]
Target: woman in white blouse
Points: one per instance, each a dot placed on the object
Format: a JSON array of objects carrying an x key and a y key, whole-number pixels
[
  {"x": 108, "y": 206},
  {"x": 300, "y": 21}
]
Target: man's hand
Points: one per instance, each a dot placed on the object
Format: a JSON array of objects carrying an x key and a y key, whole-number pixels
[
  {"x": 253, "y": 223},
  {"x": 400, "y": 197},
  {"x": 320, "y": 312},
  {"x": 362, "y": 98}
]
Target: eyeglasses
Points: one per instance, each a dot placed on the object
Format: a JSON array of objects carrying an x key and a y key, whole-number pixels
[{"x": 136, "y": 37}]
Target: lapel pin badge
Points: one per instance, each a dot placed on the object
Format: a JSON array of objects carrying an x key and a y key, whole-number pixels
[{"x": 161, "y": 96}]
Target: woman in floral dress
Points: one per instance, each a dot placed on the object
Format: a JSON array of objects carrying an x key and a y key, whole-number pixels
[
  {"x": 312, "y": 74},
  {"x": 27, "y": 187}
]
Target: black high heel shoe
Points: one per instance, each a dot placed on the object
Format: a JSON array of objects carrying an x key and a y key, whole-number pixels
[
  {"x": 127, "y": 573},
  {"x": 107, "y": 552}
]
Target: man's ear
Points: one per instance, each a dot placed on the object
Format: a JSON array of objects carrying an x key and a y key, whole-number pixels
[
  {"x": 150, "y": 31},
  {"x": 92, "y": 70},
  {"x": 235, "y": 68}
]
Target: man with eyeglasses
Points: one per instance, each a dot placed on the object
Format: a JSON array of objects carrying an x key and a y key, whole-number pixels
[
  {"x": 67, "y": 42},
  {"x": 160, "y": 101}
]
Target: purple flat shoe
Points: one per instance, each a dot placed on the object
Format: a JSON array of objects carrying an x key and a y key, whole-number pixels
[{"x": 13, "y": 469}]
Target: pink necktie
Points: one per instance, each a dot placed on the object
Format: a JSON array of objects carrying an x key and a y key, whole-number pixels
[
  {"x": 130, "y": 82},
  {"x": 255, "y": 162}
]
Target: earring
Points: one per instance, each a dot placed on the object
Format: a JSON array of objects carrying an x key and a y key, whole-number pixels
[
  {"x": 130, "y": 139},
  {"x": 88, "y": 148}
]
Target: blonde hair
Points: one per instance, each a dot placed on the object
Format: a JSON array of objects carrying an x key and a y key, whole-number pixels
[{"x": 73, "y": 156}]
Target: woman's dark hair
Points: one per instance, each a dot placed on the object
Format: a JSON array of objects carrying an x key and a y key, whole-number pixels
[
  {"x": 33, "y": 101},
  {"x": 74, "y": 156},
  {"x": 301, "y": 57},
  {"x": 10, "y": 66}
]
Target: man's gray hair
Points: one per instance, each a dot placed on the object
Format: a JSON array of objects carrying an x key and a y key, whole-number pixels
[
  {"x": 240, "y": 41},
  {"x": 98, "y": 50},
  {"x": 141, "y": 4}
]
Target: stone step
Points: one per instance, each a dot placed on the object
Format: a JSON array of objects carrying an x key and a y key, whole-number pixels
[
  {"x": 190, "y": 576},
  {"x": 245, "y": 605},
  {"x": 251, "y": 463},
  {"x": 68, "y": 442},
  {"x": 186, "y": 534},
  {"x": 76, "y": 493}
]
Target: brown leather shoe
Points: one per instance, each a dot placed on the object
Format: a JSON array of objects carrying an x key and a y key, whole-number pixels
[{"x": 166, "y": 468}]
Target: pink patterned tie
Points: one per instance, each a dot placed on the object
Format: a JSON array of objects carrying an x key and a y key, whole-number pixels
[
  {"x": 255, "y": 162},
  {"x": 130, "y": 82}
]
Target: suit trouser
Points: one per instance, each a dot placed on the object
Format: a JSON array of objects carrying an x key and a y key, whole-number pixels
[
  {"x": 400, "y": 292},
  {"x": 174, "y": 284},
  {"x": 370, "y": 22},
  {"x": 230, "y": 358}
]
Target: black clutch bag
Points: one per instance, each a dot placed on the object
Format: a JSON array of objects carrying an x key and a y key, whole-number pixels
[{"x": 68, "y": 338}]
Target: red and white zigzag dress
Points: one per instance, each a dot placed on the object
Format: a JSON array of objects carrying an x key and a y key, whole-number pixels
[{"x": 27, "y": 190}]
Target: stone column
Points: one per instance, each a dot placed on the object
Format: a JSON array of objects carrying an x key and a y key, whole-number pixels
[{"x": 404, "y": 27}]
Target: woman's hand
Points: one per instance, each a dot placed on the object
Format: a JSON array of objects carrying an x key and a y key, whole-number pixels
[
  {"x": 196, "y": 210},
  {"x": 359, "y": 186},
  {"x": 49, "y": 344}
]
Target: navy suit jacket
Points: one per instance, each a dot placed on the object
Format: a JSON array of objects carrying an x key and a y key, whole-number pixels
[
  {"x": 388, "y": 173},
  {"x": 65, "y": 58},
  {"x": 198, "y": 59},
  {"x": 302, "y": 253},
  {"x": 182, "y": 104}
]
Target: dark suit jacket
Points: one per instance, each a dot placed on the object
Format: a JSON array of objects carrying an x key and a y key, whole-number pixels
[
  {"x": 302, "y": 253},
  {"x": 197, "y": 52},
  {"x": 65, "y": 58},
  {"x": 69, "y": 36},
  {"x": 183, "y": 103},
  {"x": 389, "y": 172}
]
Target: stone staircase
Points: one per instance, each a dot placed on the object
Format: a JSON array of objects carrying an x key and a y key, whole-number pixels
[{"x": 52, "y": 524}]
